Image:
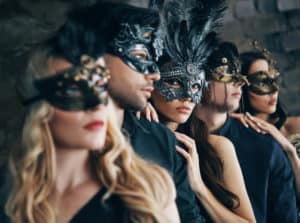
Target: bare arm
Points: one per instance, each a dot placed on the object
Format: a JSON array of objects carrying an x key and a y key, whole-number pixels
[{"x": 233, "y": 182}]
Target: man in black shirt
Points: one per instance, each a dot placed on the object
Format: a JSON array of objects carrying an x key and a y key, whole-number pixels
[
  {"x": 267, "y": 173},
  {"x": 134, "y": 45}
]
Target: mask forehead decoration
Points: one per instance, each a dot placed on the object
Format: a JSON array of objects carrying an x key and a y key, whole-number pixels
[
  {"x": 189, "y": 41},
  {"x": 229, "y": 71},
  {"x": 133, "y": 39},
  {"x": 79, "y": 88}
]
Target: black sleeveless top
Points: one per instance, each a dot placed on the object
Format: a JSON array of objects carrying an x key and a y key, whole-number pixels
[{"x": 112, "y": 211}]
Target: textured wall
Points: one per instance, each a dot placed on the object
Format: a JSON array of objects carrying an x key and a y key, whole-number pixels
[
  {"x": 276, "y": 24},
  {"x": 23, "y": 23}
]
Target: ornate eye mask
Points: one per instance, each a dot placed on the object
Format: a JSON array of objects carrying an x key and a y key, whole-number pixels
[
  {"x": 264, "y": 82},
  {"x": 134, "y": 38},
  {"x": 182, "y": 81},
  {"x": 221, "y": 74},
  {"x": 80, "y": 88}
]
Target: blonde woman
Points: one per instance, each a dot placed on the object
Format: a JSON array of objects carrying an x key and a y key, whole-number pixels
[{"x": 73, "y": 164}]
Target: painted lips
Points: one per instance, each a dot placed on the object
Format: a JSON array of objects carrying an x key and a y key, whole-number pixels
[
  {"x": 273, "y": 102},
  {"x": 95, "y": 125},
  {"x": 184, "y": 109}
]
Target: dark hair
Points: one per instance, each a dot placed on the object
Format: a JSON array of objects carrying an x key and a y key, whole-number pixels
[
  {"x": 247, "y": 59},
  {"x": 114, "y": 14},
  {"x": 226, "y": 50},
  {"x": 211, "y": 165},
  {"x": 89, "y": 30}
]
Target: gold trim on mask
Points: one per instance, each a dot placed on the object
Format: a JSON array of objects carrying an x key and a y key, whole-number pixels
[
  {"x": 263, "y": 82},
  {"x": 220, "y": 74}
]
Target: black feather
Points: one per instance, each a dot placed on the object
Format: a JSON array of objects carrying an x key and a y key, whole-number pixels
[{"x": 190, "y": 26}]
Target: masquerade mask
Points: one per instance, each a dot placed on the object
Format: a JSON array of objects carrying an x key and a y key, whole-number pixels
[
  {"x": 182, "y": 81},
  {"x": 79, "y": 88},
  {"x": 228, "y": 73},
  {"x": 263, "y": 82},
  {"x": 138, "y": 47}
]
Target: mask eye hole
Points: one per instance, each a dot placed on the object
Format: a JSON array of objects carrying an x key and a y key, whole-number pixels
[
  {"x": 173, "y": 83},
  {"x": 140, "y": 54},
  {"x": 73, "y": 92},
  {"x": 196, "y": 87},
  {"x": 147, "y": 35}
]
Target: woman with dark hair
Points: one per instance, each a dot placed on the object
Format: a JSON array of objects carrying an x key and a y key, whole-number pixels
[
  {"x": 262, "y": 108},
  {"x": 72, "y": 162},
  {"x": 215, "y": 175}
]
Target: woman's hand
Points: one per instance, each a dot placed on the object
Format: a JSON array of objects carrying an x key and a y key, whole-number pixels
[
  {"x": 268, "y": 128},
  {"x": 248, "y": 120},
  {"x": 192, "y": 158},
  {"x": 149, "y": 113}
]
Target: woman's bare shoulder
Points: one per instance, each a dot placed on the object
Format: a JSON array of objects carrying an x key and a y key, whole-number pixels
[
  {"x": 292, "y": 125},
  {"x": 221, "y": 144}
]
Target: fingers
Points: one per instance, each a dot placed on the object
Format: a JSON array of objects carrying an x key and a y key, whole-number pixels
[
  {"x": 138, "y": 115},
  {"x": 244, "y": 121},
  {"x": 187, "y": 141},
  {"x": 153, "y": 112},
  {"x": 241, "y": 117},
  {"x": 150, "y": 113},
  {"x": 255, "y": 123},
  {"x": 185, "y": 154}
]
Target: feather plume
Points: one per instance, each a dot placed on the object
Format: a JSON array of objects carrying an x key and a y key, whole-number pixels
[{"x": 190, "y": 28}]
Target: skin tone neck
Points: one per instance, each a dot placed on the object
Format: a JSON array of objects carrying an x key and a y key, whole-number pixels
[
  {"x": 73, "y": 169},
  {"x": 119, "y": 112},
  {"x": 212, "y": 118},
  {"x": 171, "y": 125},
  {"x": 263, "y": 116}
]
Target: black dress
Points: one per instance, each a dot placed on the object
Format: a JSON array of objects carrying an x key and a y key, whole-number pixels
[{"x": 112, "y": 211}]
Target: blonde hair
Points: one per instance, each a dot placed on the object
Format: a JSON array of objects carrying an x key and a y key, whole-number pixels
[{"x": 145, "y": 188}]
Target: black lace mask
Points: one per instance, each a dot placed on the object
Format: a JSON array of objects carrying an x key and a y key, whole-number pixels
[
  {"x": 182, "y": 81},
  {"x": 134, "y": 38},
  {"x": 79, "y": 88}
]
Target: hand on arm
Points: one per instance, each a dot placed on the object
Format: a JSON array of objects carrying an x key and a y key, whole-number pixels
[
  {"x": 247, "y": 120},
  {"x": 149, "y": 113},
  {"x": 217, "y": 211}
]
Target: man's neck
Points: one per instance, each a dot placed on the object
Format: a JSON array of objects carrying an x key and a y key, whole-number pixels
[{"x": 212, "y": 118}]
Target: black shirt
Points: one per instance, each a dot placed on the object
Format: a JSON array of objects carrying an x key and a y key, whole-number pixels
[
  {"x": 267, "y": 173},
  {"x": 156, "y": 143},
  {"x": 94, "y": 211},
  {"x": 111, "y": 211}
]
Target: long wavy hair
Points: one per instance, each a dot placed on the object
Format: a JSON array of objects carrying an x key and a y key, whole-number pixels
[
  {"x": 247, "y": 59},
  {"x": 211, "y": 165},
  {"x": 145, "y": 188}
]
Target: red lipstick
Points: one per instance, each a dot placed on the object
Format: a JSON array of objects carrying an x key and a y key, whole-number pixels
[
  {"x": 94, "y": 125},
  {"x": 273, "y": 102}
]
